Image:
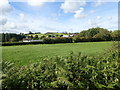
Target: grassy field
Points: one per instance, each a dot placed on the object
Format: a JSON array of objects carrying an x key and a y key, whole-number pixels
[
  {"x": 53, "y": 34},
  {"x": 26, "y": 54}
]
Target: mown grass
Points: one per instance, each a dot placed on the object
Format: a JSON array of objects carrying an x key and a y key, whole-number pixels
[{"x": 26, "y": 54}]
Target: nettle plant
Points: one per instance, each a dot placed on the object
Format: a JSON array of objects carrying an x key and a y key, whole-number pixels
[{"x": 74, "y": 71}]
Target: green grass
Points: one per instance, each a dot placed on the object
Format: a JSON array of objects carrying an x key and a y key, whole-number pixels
[
  {"x": 39, "y": 35},
  {"x": 26, "y": 54}
]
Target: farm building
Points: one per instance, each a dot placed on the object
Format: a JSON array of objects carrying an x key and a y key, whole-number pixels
[
  {"x": 30, "y": 40},
  {"x": 65, "y": 36}
]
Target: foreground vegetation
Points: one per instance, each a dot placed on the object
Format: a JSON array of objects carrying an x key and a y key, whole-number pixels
[
  {"x": 76, "y": 71},
  {"x": 27, "y": 54}
]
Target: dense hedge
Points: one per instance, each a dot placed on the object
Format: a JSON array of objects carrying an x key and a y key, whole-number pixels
[
  {"x": 19, "y": 43},
  {"x": 88, "y": 39},
  {"x": 45, "y": 41},
  {"x": 48, "y": 40},
  {"x": 58, "y": 40},
  {"x": 75, "y": 71},
  {"x": 63, "y": 40}
]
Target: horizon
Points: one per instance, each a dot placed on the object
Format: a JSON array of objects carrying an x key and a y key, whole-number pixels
[
  {"x": 65, "y": 16},
  {"x": 37, "y": 32}
]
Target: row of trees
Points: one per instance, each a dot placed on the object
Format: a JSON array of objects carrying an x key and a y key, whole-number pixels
[
  {"x": 11, "y": 37},
  {"x": 32, "y": 37},
  {"x": 100, "y": 34},
  {"x": 36, "y": 37},
  {"x": 92, "y": 34}
]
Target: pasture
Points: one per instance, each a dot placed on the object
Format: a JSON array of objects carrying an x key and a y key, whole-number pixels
[{"x": 26, "y": 54}]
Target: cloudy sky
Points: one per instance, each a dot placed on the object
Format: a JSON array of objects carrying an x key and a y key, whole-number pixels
[{"x": 54, "y": 16}]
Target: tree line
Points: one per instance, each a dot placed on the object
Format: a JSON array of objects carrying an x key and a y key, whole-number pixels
[
  {"x": 92, "y": 34},
  {"x": 11, "y": 37},
  {"x": 99, "y": 34}
]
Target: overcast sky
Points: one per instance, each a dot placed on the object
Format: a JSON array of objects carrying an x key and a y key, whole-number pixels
[{"x": 55, "y": 16}]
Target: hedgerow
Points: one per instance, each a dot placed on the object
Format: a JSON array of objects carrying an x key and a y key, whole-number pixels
[
  {"x": 19, "y": 43},
  {"x": 57, "y": 40},
  {"x": 45, "y": 41}
]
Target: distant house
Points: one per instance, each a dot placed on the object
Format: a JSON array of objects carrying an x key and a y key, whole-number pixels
[
  {"x": 36, "y": 40},
  {"x": 30, "y": 40},
  {"x": 65, "y": 36},
  {"x": 71, "y": 35},
  {"x": 26, "y": 40}
]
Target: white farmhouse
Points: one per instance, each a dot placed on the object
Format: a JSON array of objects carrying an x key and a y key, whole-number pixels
[
  {"x": 29, "y": 40},
  {"x": 65, "y": 36}
]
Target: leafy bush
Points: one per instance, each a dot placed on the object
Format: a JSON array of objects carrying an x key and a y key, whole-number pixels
[
  {"x": 79, "y": 39},
  {"x": 83, "y": 39},
  {"x": 75, "y": 71},
  {"x": 48, "y": 40},
  {"x": 116, "y": 35},
  {"x": 63, "y": 40},
  {"x": 34, "y": 76},
  {"x": 95, "y": 38},
  {"x": 13, "y": 39},
  {"x": 57, "y": 40}
]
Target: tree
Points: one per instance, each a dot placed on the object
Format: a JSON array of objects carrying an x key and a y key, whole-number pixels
[
  {"x": 36, "y": 37},
  {"x": 93, "y": 31},
  {"x": 61, "y": 35},
  {"x": 42, "y": 37},
  {"x": 30, "y": 32},
  {"x": 31, "y": 36},
  {"x": 13, "y": 39},
  {"x": 6, "y": 37},
  {"x": 57, "y": 35},
  {"x": 116, "y": 35},
  {"x": 49, "y": 35},
  {"x": 96, "y": 34},
  {"x": 82, "y": 33}
]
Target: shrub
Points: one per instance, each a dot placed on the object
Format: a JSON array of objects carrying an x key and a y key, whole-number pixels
[
  {"x": 35, "y": 76},
  {"x": 48, "y": 40},
  {"x": 76, "y": 39},
  {"x": 13, "y": 39},
  {"x": 63, "y": 40},
  {"x": 116, "y": 35},
  {"x": 75, "y": 71},
  {"x": 81, "y": 39}
]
